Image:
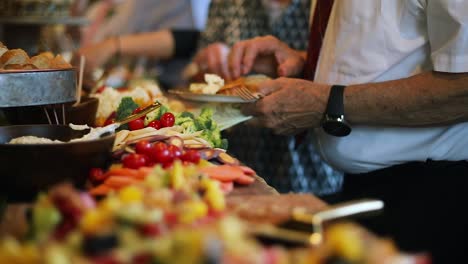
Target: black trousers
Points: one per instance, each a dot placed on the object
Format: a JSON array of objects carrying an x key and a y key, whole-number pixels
[{"x": 426, "y": 206}]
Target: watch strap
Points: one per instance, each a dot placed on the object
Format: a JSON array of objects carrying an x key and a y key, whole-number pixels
[{"x": 335, "y": 105}]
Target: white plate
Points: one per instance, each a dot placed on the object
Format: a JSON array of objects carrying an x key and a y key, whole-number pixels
[{"x": 212, "y": 98}]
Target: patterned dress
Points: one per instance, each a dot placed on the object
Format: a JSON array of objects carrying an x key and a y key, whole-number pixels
[{"x": 273, "y": 157}]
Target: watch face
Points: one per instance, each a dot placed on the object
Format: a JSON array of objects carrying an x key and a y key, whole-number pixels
[{"x": 336, "y": 128}]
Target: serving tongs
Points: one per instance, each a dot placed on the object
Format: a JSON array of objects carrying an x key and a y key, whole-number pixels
[
  {"x": 110, "y": 129},
  {"x": 305, "y": 229}
]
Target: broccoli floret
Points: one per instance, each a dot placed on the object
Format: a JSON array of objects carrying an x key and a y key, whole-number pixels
[
  {"x": 126, "y": 107},
  {"x": 189, "y": 126},
  {"x": 205, "y": 120},
  {"x": 206, "y": 113},
  {"x": 214, "y": 137},
  {"x": 185, "y": 114},
  {"x": 181, "y": 120}
]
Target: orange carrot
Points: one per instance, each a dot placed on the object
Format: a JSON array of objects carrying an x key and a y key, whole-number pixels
[
  {"x": 117, "y": 182},
  {"x": 227, "y": 187},
  {"x": 247, "y": 170},
  {"x": 224, "y": 173},
  {"x": 137, "y": 174},
  {"x": 122, "y": 172},
  {"x": 100, "y": 190},
  {"x": 244, "y": 179}
]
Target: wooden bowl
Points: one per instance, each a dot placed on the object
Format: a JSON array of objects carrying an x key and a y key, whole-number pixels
[{"x": 30, "y": 168}]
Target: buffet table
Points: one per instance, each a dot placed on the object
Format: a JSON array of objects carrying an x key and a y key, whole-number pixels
[{"x": 259, "y": 193}]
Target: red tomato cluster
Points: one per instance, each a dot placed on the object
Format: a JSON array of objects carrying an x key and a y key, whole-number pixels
[
  {"x": 166, "y": 120},
  {"x": 148, "y": 154}
]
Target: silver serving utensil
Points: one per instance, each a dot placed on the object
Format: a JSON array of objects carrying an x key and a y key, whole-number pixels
[{"x": 292, "y": 232}]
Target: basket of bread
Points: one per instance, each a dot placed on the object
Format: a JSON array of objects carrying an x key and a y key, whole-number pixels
[
  {"x": 18, "y": 59},
  {"x": 43, "y": 79}
]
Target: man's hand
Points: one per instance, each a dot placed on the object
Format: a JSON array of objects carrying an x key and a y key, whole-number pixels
[
  {"x": 244, "y": 55},
  {"x": 213, "y": 59},
  {"x": 290, "y": 105}
]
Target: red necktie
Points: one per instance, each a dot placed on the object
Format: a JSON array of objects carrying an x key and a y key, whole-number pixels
[{"x": 317, "y": 32}]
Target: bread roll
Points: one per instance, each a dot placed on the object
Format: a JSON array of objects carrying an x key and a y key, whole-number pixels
[
  {"x": 59, "y": 63},
  {"x": 14, "y": 56},
  {"x": 3, "y": 49},
  {"x": 47, "y": 54},
  {"x": 20, "y": 67},
  {"x": 42, "y": 61}
]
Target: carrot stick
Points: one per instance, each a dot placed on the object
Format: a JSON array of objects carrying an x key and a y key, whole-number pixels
[
  {"x": 117, "y": 182},
  {"x": 100, "y": 190},
  {"x": 122, "y": 172},
  {"x": 137, "y": 174},
  {"x": 227, "y": 187},
  {"x": 247, "y": 171},
  {"x": 244, "y": 179},
  {"x": 224, "y": 173}
]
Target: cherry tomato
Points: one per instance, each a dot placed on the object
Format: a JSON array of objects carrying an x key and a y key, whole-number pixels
[
  {"x": 110, "y": 119},
  {"x": 97, "y": 174},
  {"x": 155, "y": 124},
  {"x": 171, "y": 219},
  {"x": 134, "y": 161},
  {"x": 136, "y": 124},
  {"x": 143, "y": 147},
  {"x": 112, "y": 115},
  {"x": 150, "y": 230},
  {"x": 101, "y": 89},
  {"x": 167, "y": 165},
  {"x": 167, "y": 119},
  {"x": 159, "y": 153},
  {"x": 174, "y": 151},
  {"x": 104, "y": 259},
  {"x": 142, "y": 259},
  {"x": 191, "y": 155}
]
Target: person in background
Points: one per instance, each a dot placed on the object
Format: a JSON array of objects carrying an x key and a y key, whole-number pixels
[
  {"x": 405, "y": 71},
  {"x": 113, "y": 18},
  {"x": 274, "y": 157}
]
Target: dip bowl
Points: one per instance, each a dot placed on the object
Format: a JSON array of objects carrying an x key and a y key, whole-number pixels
[{"x": 27, "y": 169}]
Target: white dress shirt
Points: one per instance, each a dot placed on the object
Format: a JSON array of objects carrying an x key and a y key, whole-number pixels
[{"x": 379, "y": 40}]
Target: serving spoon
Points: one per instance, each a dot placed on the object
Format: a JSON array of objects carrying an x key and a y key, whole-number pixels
[{"x": 306, "y": 229}]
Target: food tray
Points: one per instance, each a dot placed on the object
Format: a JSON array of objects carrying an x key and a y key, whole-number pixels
[{"x": 37, "y": 87}]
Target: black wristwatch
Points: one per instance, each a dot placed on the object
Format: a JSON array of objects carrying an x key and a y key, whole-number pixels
[{"x": 333, "y": 121}]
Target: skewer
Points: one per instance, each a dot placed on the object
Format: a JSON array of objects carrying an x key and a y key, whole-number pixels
[
  {"x": 79, "y": 86},
  {"x": 63, "y": 114},
  {"x": 56, "y": 117},
  {"x": 47, "y": 114}
]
